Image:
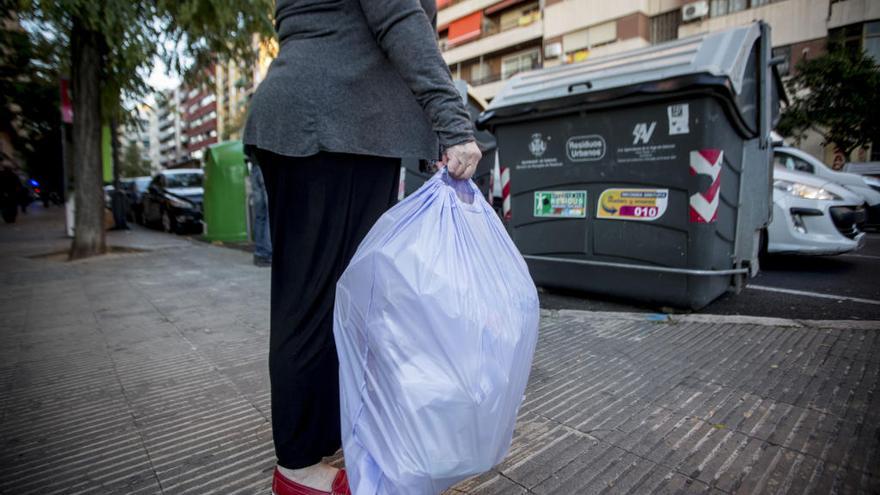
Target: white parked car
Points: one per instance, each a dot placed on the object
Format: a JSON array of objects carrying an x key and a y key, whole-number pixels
[
  {"x": 867, "y": 188},
  {"x": 813, "y": 216}
]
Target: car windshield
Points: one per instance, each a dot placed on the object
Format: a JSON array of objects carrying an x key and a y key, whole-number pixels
[
  {"x": 183, "y": 180},
  {"x": 142, "y": 183}
]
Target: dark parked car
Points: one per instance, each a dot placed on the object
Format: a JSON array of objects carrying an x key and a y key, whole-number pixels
[
  {"x": 173, "y": 200},
  {"x": 135, "y": 188}
]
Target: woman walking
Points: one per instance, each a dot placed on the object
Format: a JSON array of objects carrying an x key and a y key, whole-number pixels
[{"x": 357, "y": 85}]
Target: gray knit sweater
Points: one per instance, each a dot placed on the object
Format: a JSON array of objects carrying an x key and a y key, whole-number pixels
[{"x": 357, "y": 76}]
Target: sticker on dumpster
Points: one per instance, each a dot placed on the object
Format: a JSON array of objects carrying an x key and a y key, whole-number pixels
[
  {"x": 561, "y": 204},
  {"x": 585, "y": 148},
  {"x": 643, "y": 131},
  {"x": 644, "y": 147},
  {"x": 678, "y": 119},
  {"x": 644, "y": 205},
  {"x": 538, "y": 146},
  {"x": 703, "y": 205}
]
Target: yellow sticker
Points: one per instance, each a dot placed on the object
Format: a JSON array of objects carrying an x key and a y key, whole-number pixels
[{"x": 644, "y": 205}]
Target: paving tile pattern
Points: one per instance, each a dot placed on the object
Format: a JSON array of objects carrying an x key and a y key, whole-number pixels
[
  {"x": 627, "y": 406},
  {"x": 146, "y": 373}
]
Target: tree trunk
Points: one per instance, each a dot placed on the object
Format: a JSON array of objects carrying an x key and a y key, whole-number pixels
[{"x": 86, "y": 63}]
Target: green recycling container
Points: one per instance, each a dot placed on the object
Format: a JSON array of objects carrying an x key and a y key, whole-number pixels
[{"x": 225, "y": 203}]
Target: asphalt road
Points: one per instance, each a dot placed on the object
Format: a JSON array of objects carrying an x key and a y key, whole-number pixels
[{"x": 844, "y": 287}]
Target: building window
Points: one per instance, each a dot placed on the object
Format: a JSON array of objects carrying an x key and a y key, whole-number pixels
[
  {"x": 724, "y": 7},
  {"x": 519, "y": 16},
  {"x": 523, "y": 61},
  {"x": 664, "y": 27},
  {"x": 856, "y": 38},
  {"x": 872, "y": 40},
  {"x": 479, "y": 72},
  {"x": 577, "y": 45}
]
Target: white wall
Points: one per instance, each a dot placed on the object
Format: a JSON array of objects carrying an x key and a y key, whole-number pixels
[
  {"x": 484, "y": 46},
  {"x": 571, "y": 15},
  {"x": 792, "y": 21},
  {"x": 852, "y": 11}
]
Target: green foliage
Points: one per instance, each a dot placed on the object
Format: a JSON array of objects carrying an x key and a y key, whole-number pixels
[
  {"x": 203, "y": 32},
  {"x": 131, "y": 163},
  {"x": 29, "y": 90},
  {"x": 110, "y": 46},
  {"x": 837, "y": 94},
  {"x": 189, "y": 35}
]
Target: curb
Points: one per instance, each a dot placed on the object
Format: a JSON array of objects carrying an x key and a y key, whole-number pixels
[{"x": 714, "y": 319}]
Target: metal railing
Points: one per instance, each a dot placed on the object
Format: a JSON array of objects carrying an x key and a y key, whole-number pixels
[{"x": 495, "y": 77}]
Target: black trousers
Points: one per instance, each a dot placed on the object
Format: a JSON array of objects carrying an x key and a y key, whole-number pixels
[{"x": 320, "y": 208}]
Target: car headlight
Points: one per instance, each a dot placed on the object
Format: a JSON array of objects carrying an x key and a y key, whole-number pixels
[
  {"x": 803, "y": 191},
  {"x": 872, "y": 183},
  {"x": 179, "y": 203}
]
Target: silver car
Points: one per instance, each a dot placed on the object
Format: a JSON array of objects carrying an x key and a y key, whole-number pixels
[
  {"x": 813, "y": 216},
  {"x": 865, "y": 187}
]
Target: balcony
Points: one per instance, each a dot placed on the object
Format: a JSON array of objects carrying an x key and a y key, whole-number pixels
[
  {"x": 844, "y": 13},
  {"x": 166, "y": 123},
  {"x": 202, "y": 128},
  {"x": 488, "y": 86},
  {"x": 167, "y": 135},
  {"x": 200, "y": 111},
  {"x": 193, "y": 147},
  {"x": 460, "y": 8},
  {"x": 494, "y": 40}
]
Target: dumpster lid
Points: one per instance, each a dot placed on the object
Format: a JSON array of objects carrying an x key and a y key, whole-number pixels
[
  {"x": 723, "y": 54},
  {"x": 226, "y": 149}
]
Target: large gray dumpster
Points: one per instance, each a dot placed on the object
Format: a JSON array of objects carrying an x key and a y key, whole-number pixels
[{"x": 644, "y": 175}]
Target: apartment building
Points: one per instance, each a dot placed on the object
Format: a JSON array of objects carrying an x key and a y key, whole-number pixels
[
  {"x": 235, "y": 83},
  {"x": 153, "y": 153},
  {"x": 485, "y": 42},
  {"x": 199, "y": 119},
  {"x": 170, "y": 128},
  {"x": 143, "y": 132}
]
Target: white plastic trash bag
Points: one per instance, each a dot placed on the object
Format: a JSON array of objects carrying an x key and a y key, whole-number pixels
[{"x": 436, "y": 321}]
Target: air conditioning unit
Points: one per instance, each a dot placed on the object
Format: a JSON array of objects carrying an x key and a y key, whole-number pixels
[
  {"x": 553, "y": 50},
  {"x": 694, "y": 11}
]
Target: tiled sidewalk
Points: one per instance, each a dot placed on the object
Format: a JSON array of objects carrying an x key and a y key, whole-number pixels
[{"x": 146, "y": 373}]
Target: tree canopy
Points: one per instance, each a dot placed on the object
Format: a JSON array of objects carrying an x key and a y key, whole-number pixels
[
  {"x": 110, "y": 49},
  {"x": 29, "y": 96},
  {"x": 131, "y": 162},
  {"x": 188, "y": 35},
  {"x": 836, "y": 94}
]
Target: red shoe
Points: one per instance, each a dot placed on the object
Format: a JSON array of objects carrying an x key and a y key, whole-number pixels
[{"x": 285, "y": 486}]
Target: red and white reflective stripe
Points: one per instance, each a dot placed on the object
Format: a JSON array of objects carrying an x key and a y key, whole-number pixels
[
  {"x": 505, "y": 193},
  {"x": 704, "y": 205},
  {"x": 401, "y": 184}
]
